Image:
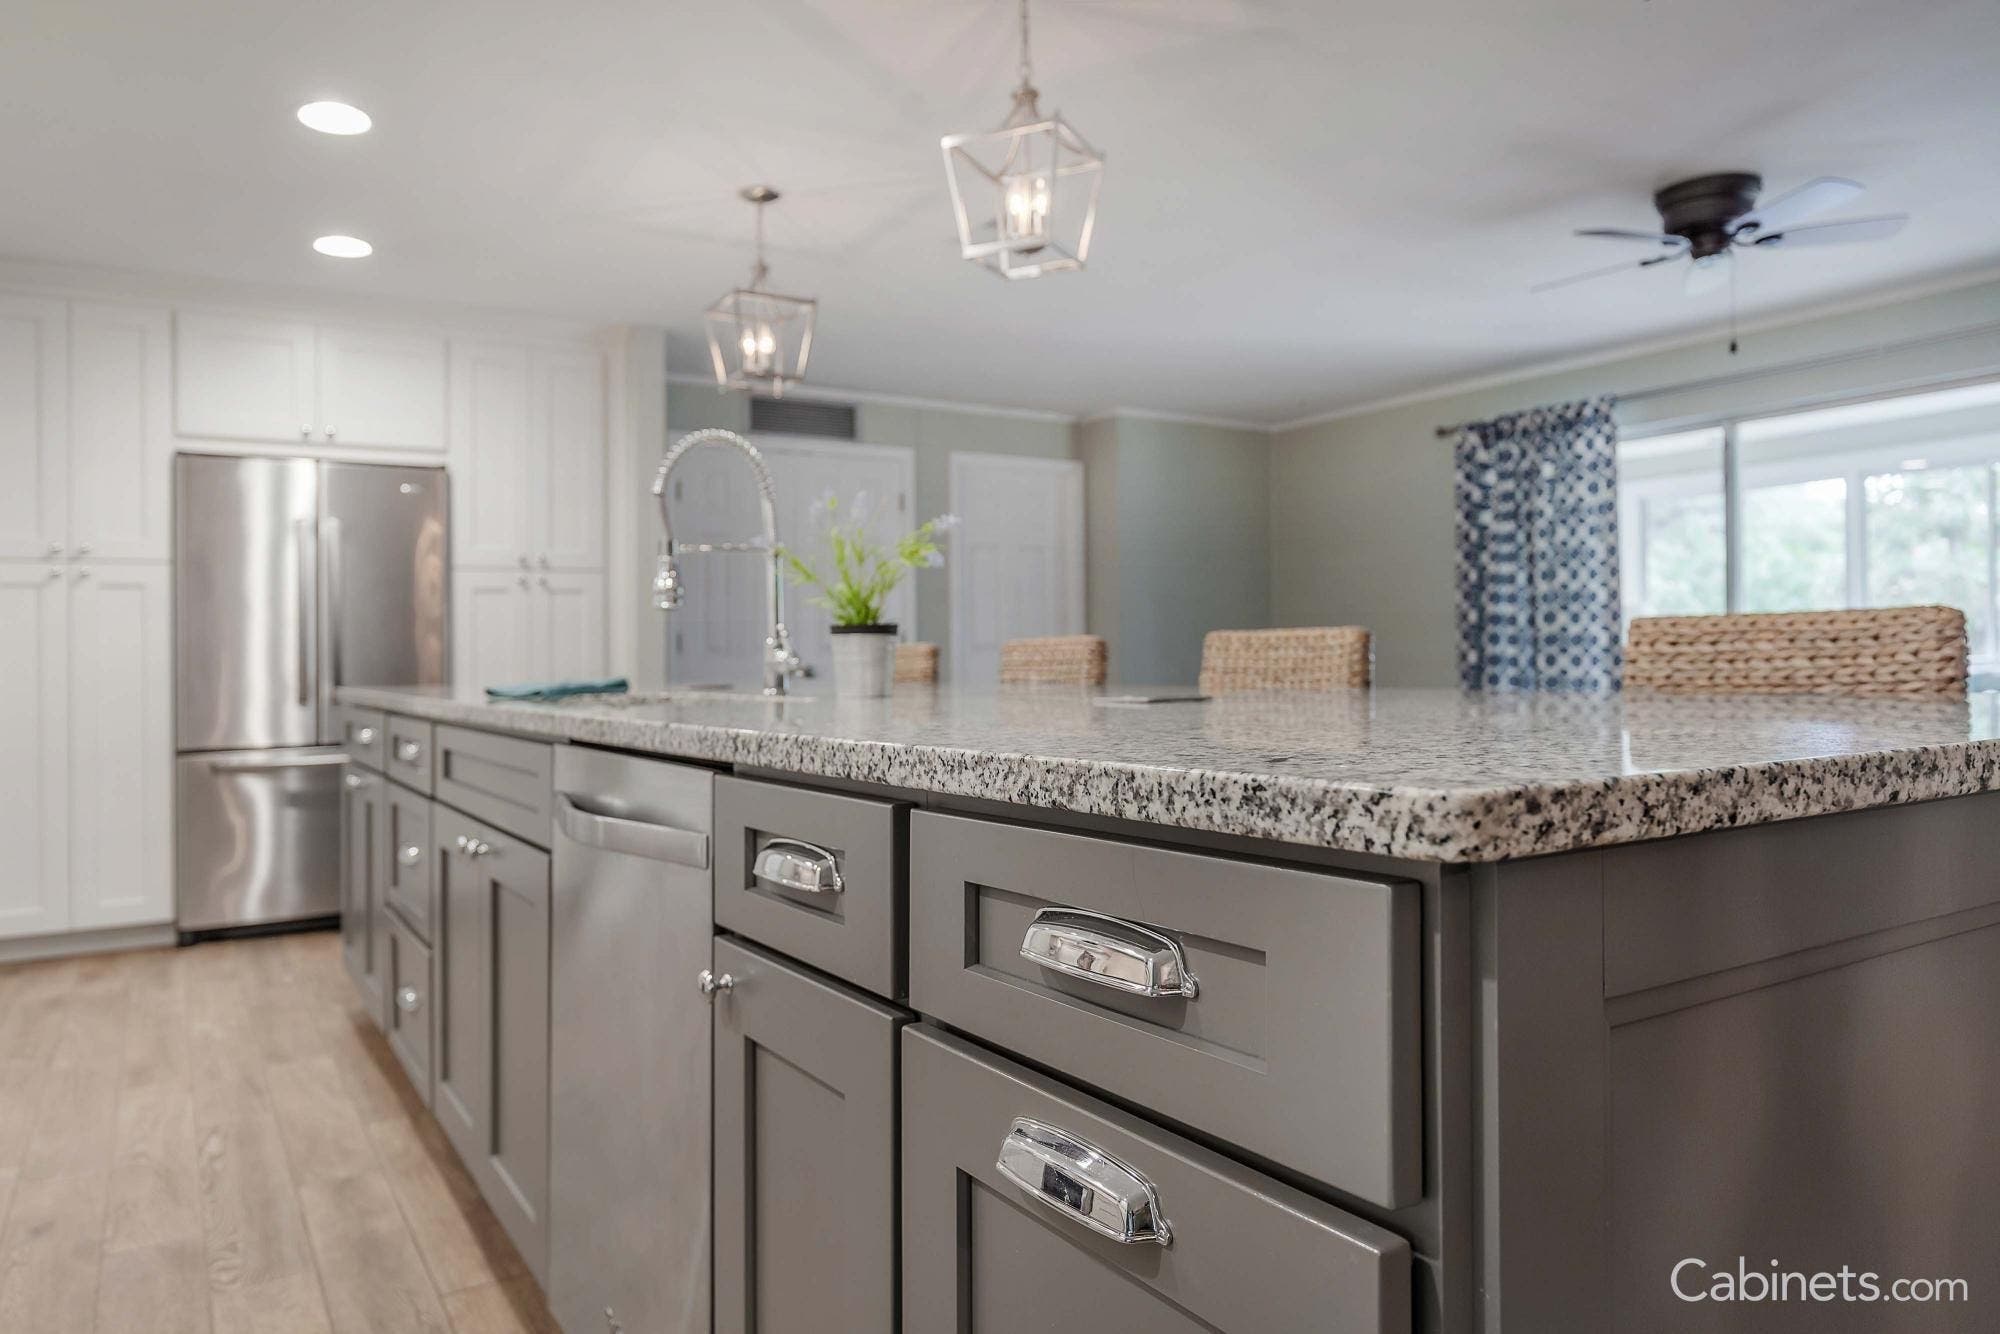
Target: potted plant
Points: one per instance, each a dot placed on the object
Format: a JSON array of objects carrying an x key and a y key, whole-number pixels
[{"x": 860, "y": 570}]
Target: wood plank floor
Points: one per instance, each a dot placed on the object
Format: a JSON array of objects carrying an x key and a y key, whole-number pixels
[{"x": 215, "y": 1139}]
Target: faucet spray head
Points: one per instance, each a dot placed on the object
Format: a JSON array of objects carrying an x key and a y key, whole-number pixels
[{"x": 666, "y": 583}]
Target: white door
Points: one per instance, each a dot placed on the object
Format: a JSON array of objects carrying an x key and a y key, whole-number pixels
[
  {"x": 568, "y": 452},
  {"x": 491, "y": 476},
  {"x": 382, "y": 388},
  {"x": 1016, "y": 561},
  {"x": 716, "y": 635},
  {"x": 881, "y": 477},
  {"x": 492, "y": 629},
  {"x": 121, "y": 432},
  {"x": 569, "y": 625},
  {"x": 121, "y": 745},
  {"x": 34, "y": 747},
  {"x": 239, "y": 377},
  {"x": 34, "y": 433}
]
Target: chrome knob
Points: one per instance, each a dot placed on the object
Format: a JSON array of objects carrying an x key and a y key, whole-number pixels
[
  {"x": 542, "y": 561},
  {"x": 55, "y": 574},
  {"x": 462, "y": 843},
  {"x": 407, "y": 1000},
  {"x": 712, "y": 983},
  {"x": 365, "y": 735},
  {"x": 410, "y": 855},
  {"x": 353, "y": 781},
  {"x": 83, "y": 548},
  {"x": 329, "y": 433},
  {"x": 408, "y": 751},
  {"x": 305, "y": 431},
  {"x": 55, "y": 548},
  {"x": 475, "y": 848}
]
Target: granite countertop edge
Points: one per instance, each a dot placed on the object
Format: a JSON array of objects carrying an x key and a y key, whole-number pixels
[{"x": 1432, "y": 824}]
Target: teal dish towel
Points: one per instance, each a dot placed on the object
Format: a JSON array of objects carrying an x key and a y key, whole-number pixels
[{"x": 550, "y": 690}]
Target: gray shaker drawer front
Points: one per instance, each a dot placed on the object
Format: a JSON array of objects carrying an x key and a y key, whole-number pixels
[
  {"x": 1276, "y": 1009},
  {"x": 814, "y": 874},
  {"x": 1214, "y": 1246},
  {"x": 407, "y": 753},
  {"x": 805, "y": 1150},
  {"x": 412, "y": 860},
  {"x": 362, "y": 733},
  {"x": 412, "y": 1007},
  {"x": 507, "y": 782}
]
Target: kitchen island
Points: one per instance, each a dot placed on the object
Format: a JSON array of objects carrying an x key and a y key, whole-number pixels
[{"x": 1536, "y": 997}]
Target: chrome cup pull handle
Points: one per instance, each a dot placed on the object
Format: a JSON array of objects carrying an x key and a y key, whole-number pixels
[
  {"x": 1082, "y": 1182},
  {"x": 1110, "y": 952},
  {"x": 804, "y": 868}
]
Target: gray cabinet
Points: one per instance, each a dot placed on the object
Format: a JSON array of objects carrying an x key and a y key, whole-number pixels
[
  {"x": 1012, "y": 1186},
  {"x": 407, "y": 753},
  {"x": 805, "y": 1150},
  {"x": 364, "y": 856},
  {"x": 490, "y": 1065},
  {"x": 408, "y": 872},
  {"x": 412, "y": 1016},
  {"x": 503, "y": 780}
]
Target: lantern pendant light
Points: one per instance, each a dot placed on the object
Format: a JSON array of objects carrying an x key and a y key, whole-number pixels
[
  {"x": 758, "y": 339},
  {"x": 1025, "y": 195}
]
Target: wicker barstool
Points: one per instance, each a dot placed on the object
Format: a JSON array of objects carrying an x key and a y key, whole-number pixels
[
  {"x": 1876, "y": 651},
  {"x": 917, "y": 663},
  {"x": 1324, "y": 657},
  {"x": 1054, "y": 660}
]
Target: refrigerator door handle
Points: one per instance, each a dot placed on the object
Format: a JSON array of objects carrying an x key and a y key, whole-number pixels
[
  {"x": 272, "y": 766},
  {"x": 333, "y": 587},
  {"x": 308, "y": 556}
]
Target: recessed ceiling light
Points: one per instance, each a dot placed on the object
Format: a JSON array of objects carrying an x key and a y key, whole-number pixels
[
  {"x": 343, "y": 247},
  {"x": 334, "y": 118}
]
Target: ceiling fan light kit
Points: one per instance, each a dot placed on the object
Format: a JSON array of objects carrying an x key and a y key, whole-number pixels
[
  {"x": 1024, "y": 195},
  {"x": 759, "y": 339}
]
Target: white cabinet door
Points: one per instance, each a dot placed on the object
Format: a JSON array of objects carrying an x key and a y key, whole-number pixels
[
  {"x": 121, "y": 745},
  {"x": 121, "y": 431},
  {"x": 34, "y": 433},
  {"x": 569, "y": 626},
  {"x": 34, "y": 748},
  {"x": 568, "y": 452},
  {"x": 240, "y": 377},
  {"x": 381, "y": 388},
  {"x": 493, "y": 636},
  {"x": 491, "y": 474},
  {"x": 1016, "y": 561}
]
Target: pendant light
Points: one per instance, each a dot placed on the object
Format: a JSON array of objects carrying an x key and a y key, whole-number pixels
[
  {"x": 1025, "y": 195},
  {"x": 757, "y": 338}
]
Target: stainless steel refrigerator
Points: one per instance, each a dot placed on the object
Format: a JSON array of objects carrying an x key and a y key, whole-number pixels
[{"x": 291, "y": 576}]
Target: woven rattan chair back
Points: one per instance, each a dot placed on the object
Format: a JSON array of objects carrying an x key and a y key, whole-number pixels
[
  {"x": 1325, "y": 657},
  {"x": 1875, "y": 651},
  {"x": 1054, "y": 660}
]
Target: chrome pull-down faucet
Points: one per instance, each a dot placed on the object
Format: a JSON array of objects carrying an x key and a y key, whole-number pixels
[{"x": 780, "y": 663}]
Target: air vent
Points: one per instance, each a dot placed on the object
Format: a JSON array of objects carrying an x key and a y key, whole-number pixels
[{"x": 801, "y": 416}]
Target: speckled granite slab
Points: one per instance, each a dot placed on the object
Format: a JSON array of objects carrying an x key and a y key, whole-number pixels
[{"x": 1436, "y": 775}]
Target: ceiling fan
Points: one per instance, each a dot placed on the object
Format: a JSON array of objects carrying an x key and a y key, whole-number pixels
[{"x": 1708, "y": 219}]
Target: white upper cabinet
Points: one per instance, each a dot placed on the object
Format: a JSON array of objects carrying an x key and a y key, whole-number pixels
[
  {"x": 490, "y": 492},
  {"x": 527, "y": 457},
  {"x": 34, "y": 743},
  {"x": 121, "y": 745},
  {"x": 569, "y": 625},
  {"x": 34, "y": 432},
  {"x": 492, "y": 637},
  {"x": 244, "y": 378},
  {"x": 381, "y": 387},
  {"x": 239, "y": 377},
  {"x": 121, "y": 432}
]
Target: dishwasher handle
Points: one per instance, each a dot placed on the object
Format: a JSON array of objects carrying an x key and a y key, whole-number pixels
[{"x": 637, "y": 838}]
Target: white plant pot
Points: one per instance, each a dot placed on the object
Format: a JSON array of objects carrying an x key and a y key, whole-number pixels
[{"x": 864, "y": 660}]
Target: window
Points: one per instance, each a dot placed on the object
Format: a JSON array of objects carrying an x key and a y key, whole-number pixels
[{"x": 1873, "y": 504}]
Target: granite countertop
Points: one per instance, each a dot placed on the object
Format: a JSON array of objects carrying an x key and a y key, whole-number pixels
[{"x": 1430, "y": 774}]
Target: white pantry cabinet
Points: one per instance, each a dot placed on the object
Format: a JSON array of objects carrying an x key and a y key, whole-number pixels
[
  {"x": 121, "y": 455},
  {"x": 34, "y": 430},
  {"x": 249, "y": 377},
  {"x": 527, "y": 457},
  {"x": 514, "y": 628},
  {"x": 86, "y": 750}
]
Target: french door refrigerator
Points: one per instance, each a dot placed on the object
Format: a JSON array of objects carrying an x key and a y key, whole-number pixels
[{"x": 291, "y": 576}]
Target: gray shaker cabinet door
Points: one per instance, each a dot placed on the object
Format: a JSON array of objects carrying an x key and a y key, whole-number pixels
[
  {"x": 491, "y": 1064},
  {"x": 364, "y": 855},
  {"x": 805, "y": 1151},
  {"x": 1243, "y": 1254}
]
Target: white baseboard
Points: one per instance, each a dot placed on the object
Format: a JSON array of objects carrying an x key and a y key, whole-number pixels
[{"x": 86, "y": 942}]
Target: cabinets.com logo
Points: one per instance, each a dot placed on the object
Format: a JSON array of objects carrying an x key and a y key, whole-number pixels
[{"x": 1694, "y": 1280}]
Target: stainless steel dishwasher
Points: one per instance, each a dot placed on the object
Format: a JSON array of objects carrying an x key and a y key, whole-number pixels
[{"x": 629, "y": 1042}]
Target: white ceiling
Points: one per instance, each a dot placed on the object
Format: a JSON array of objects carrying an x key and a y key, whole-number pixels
[{"x": 1307, "y": 204}]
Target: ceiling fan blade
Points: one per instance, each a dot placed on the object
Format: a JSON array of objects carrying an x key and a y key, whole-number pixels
[
  {"x": 1836, "y": 233},
  {"x": 1621, "y": 234},
  {"x": 1602, "y": 273},
  {"x": 1815, "y": 196},
  {"x": 1708, "y": 275}
]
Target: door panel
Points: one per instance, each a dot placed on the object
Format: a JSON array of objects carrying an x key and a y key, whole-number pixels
[
  {"x": 462, "y": 1064},
  {"x": 121, "y": 742},
  {"x": 34, "y": 430},
  {"x": 383, "y": 578},
  {"x": 382, "y": 388},
  {"x": 243, "y": 378},
  {"x": 569, "y": 634},
  {"x": 245, "y": 602},
  {"x": 568, "y": 450},
  {"x": 121, "y": 432},
  {"x": 490, "y": 421},
  {"x": 716, "y": 635},
  {"x": 1016, "y": 564},
  {"x": 493, "y": 636},
  {"x": 34, "y": 736},
  {"x": 361, "y": 838}
]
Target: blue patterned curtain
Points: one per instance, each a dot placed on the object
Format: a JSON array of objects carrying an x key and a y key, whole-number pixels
[{"x": 1538, "y": 550}]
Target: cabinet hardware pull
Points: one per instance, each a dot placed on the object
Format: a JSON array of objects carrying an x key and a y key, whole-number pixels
[
  {"x": 409, "y": 751},
  {"x": 354, "y": 781},
  {"x": 364, "y": 736},
  {"x": 462, "y": 843},
  {"x": 305, "y": 431},
  {"x": 1110, "y": 952},
  {"x": 806, "y": 868},
  {"x": 711, "y": 983},
  {"x": 636, "y": 838},
  {"x": 410, "y": 855},
  {"x": 55, "y": 548},
  {"x": 1083, "y": 1182},
  {"x": 407, "y": 1000}
]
